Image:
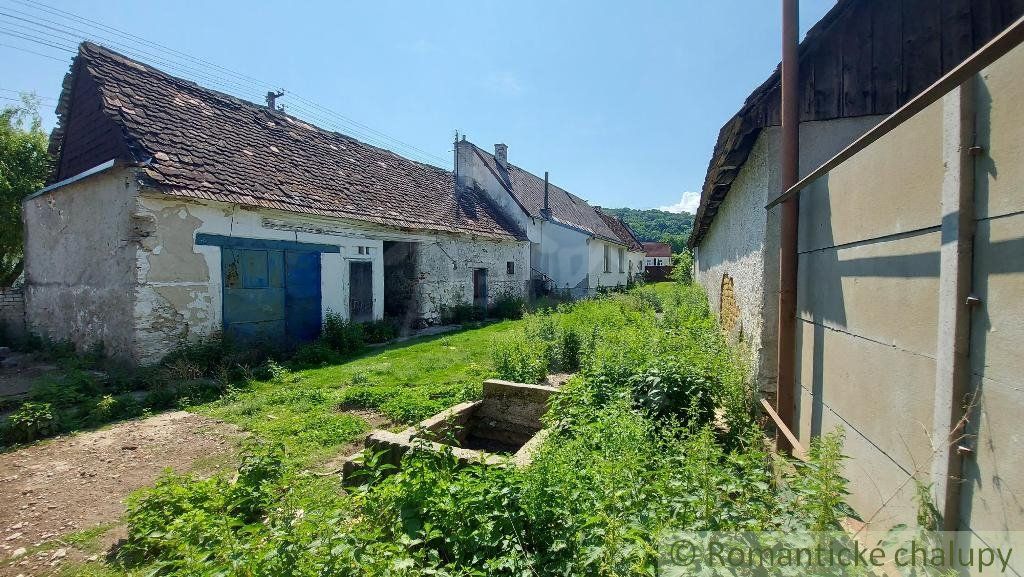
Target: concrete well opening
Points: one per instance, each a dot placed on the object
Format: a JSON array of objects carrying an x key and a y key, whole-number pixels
[{"x": 502, "y": 428}]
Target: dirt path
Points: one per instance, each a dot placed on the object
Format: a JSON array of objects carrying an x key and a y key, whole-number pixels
[{"x": 61, "y": 501}]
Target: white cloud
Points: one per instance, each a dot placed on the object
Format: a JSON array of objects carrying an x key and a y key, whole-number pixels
[{"x": 688, "y": 203}]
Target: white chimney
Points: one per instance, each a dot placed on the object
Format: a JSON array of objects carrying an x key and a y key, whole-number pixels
[{"x": 501, "y": 154}]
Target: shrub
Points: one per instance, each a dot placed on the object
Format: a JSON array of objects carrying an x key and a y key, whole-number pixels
[
  {"x": 508, "y": 306},
  {"x": 380, "y": 331},
  {"x": 682, "y": 268},
  {"x": 30, "y": 422},
  {"x": 460, "y": 313},
  {"x": 669, "y": 388},
  {"x": 519, "y": 359},
  {"x": 315, "y": 354},
  {"x": 345, "y": 337},
  {"x": 570, "y": 348}
]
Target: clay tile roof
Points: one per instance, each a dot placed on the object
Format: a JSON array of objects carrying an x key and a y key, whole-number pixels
[
  {"x": 621, "y": 230},
  {"x": 200, "y": 143},
  {"x": 658, "y": 249},
  {"x": 566, "y": 208}
]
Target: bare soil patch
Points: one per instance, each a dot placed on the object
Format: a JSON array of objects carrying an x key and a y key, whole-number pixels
[{"x": 57, "y": 493}]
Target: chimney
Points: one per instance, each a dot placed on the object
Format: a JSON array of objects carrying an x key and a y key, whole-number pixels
[
  {"x": 501, "y": 154},
  {"x": 547, "y": 209},
  {"x": 272, "y": 100}
]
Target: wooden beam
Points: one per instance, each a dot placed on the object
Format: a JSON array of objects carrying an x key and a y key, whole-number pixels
[{"x": 798, "y": 450}]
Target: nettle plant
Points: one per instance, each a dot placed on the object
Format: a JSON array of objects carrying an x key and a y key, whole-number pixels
[{"x": 635, "y": 454}]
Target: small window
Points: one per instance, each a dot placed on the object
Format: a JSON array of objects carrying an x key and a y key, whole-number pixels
[
  {"x": 607, "y": 259},
  {"x": 622, "y": 260},
  {"x": 510, "y": 266}
]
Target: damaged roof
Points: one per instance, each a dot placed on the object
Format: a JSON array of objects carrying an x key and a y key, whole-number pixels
[
  {"x": 621, "y": 230},
  {"x": 864, "y": 57},
  {"x": 565, "y": 208},
  {"x": 199, "y": 143}
]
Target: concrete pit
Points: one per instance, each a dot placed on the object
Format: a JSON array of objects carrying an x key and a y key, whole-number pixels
[{"x": 502, "y": 428}]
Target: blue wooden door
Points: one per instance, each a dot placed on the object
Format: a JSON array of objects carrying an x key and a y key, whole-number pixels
[
  {"x": 271, "y": 295},
  {"x": 302, "y": 295}
]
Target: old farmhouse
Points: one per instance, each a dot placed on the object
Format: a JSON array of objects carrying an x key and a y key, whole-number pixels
[
  {"x": 176, "y": 211},
  {"x": 574, "y": 247}
]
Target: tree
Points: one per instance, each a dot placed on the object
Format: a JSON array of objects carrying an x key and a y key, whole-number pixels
[
  {"x": 24, "y": 166},
  {"x": 682, "y": 267},
  {"x": 654, "y": 225}
]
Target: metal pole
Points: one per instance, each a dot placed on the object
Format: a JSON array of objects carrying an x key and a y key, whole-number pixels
[{"x": 790, "y": 212}]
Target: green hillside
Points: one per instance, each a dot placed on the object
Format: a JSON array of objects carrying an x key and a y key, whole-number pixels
[{"x": 655, "y": 225}]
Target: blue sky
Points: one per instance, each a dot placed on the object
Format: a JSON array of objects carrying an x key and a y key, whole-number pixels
[{"x": 620, "y": 101}]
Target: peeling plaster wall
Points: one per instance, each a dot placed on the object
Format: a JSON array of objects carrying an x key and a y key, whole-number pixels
[
  {"x": 179, "y": 292},
  {"x": 80, "y": 262},
  {"x": 445, "y": 267},
  {"x": 743, "y": 241}
]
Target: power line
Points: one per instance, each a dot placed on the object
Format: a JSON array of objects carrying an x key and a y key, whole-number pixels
[
  {"x": 50, "y": 56},
  {"x": 242, "y": 84},
  {"x": 32, "y": 92}
]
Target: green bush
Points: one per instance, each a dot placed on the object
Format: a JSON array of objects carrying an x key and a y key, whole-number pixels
[
  {"x": 507, "y": 306},
  {"x": 519, "y": 359},
  {"x": 345, "y": 337},
  {"x": 315, "y": 354},
  {"x": 32, "y": 421},
  {"x": 461, "y": 313},
  {"x": 382, "y": 331},
  {"x": 570, "y": 349},
  {"x": 669, "y": 388},
  {"x": 682, "y": 268}
]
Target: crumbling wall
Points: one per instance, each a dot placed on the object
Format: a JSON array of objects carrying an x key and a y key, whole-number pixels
[
  {"x": 80, "y": 262},
  {"x": 179, "y": 292},
  {"x": 445, "y": 272},
  {"x": 743, "y": 241}
]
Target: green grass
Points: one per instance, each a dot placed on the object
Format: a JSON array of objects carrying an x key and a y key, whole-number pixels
[{"x": 307, "y": 410}]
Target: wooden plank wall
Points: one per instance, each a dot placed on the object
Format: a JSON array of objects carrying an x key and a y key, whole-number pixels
[{"x": 872, "y": 56}]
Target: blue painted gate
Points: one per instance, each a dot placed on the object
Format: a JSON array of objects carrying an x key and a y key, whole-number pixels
[{"x": 270, "y": 294}]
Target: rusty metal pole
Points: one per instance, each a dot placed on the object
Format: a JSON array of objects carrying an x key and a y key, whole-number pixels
[{"x": 789, "y": 217}]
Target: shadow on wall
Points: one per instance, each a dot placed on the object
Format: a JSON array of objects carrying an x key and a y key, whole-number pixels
[
  {"x": 987, "y": 489},
  {"x": 823, "y": 303}
]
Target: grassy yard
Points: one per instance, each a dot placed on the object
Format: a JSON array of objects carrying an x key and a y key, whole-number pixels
[
  {"x": 654, "y": 436},
  {"x": 314, "y": 412}
]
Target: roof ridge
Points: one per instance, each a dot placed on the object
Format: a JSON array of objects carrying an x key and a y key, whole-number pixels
[
  {"x": 205, "y": 144},
  {"x": 129, "y": 61}
]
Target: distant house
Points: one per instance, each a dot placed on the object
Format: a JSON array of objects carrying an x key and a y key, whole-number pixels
[
  {"x": 657, "y": 260},
  {"x": 573, "y": 245},
  {"x": 177, "y": 211}
]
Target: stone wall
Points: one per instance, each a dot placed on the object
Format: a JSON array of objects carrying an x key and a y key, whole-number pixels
[{"x": 743, "y": 241}]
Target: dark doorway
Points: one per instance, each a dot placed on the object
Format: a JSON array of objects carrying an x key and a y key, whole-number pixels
[
  {"x": 360, "y": 295},
  {"x": 480, "y": 288},
  {"x": 400, "y": 279}
]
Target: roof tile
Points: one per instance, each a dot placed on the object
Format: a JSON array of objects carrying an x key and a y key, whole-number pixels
[{"x": 200, "y": 143}]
